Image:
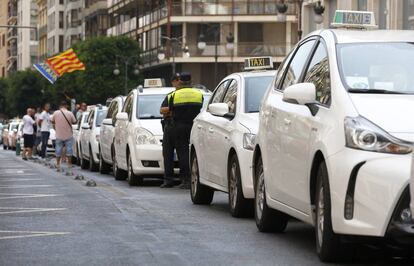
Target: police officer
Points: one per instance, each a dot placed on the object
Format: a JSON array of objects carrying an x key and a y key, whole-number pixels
[
  {"x": 185, "y": 104},
  {"x": 168, "y": 140}
]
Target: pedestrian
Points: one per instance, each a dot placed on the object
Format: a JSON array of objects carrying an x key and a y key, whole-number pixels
[
  {"x": 75, "y": 111},
  {"x": 37, "y": 135},
  {"x": 28, "y": 134},
  {"x": 185, "y": 104},
  {"x": 168, "y": 145},
  {"x": 44, "y": 125},
  {"x": 63, "y": 120},
  {"x": 82, "y": 109}
]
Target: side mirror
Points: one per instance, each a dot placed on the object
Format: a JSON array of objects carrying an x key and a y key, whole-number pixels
[
  {"x": 122, "y": 116},
  {"x": 301, "y": 93},
  {"x": 85, "y": 126},
  {"x": 218, "y": 109},
  {"x": 107, "y": 121}
]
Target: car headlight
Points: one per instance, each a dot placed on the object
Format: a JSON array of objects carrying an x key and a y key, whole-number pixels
[
  {"x": 362, "y": 134},
  {"x": 249, "y": 140},
  {"x": 143, "y": 136}
]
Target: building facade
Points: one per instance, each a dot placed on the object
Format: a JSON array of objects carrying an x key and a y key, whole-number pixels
[
  {"x": 95, "y": 18},
  {"x": 27, "y": 39},
  {"x": 222, "y": 31},
  {"x": 11, "y": 38},
  {"x": 42, "y": 29},
  {"x": 3, "y": 38}
]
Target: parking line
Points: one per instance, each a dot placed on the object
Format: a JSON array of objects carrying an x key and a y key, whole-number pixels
[
  {"x": 24, "y": 186},
  {"x": 25, "y": 234},
  {"x": 22, "y": 196},
  {"x": 19, "y": 179},
  {"x": 11, "y": 210}
]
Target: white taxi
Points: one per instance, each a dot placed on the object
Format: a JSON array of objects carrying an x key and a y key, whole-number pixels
[
  {"x": 106, "y": 143},
  {"x": 335, "y": 136},
  {"x": 138, "y": 134},
  {"x": 222, "y": 138},
  {"x": 77, "y": 130},
  {"x": 89, "y": 138}
]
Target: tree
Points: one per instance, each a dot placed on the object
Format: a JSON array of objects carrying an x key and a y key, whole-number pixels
[{"x": 97, "y": 82}]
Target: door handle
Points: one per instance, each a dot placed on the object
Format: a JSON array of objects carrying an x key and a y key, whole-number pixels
[
  {"x": 211, "y": 130},
  {"x": 287, "y": 121}
]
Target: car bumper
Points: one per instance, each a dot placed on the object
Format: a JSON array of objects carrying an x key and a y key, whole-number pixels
[
  {"x": 149, "y": 160},
  {"x": 245, "y": 161},
  {"x": 371, "y": 184}
]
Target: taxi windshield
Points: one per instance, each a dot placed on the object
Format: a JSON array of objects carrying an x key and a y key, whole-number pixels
[
  {"x": 149, "y": 106},
  {"x": 377, "y": 67},
  {"x": 255, "y": 88},
  {"x": 101, "y": 114}
]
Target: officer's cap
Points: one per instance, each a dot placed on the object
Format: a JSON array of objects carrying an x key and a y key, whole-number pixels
[
  {"x": 185, "y": 76},
  {"x": 176, "y": 76}
]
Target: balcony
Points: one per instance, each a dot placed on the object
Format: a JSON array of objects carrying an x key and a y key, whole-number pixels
[{"x": 123, "y": 28}]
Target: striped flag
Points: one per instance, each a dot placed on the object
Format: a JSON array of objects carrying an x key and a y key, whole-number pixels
[{"x": 65, "y": 62}]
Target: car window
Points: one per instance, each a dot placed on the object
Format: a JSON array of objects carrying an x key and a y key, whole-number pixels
[
  {"x": 297, "y": 64},
  {"x": 128, "y": 106},
  {"x": 282, "y": 69},
  {"x": 148, "y": 106},
  {"x": 254, "y": 89},
  {"x": 114, "y": 112},
  {"x": 90, "y": 118},
  {"x": 231, "y": 96},
  {"x": 100, "y": 115},
  {"x": 111, "y": 107},
  {"x": 219, "y": 92},
  {"x": 318, "y": 74}
]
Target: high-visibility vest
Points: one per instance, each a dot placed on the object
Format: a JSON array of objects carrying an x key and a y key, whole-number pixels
[{"x": 187, "y": 96}]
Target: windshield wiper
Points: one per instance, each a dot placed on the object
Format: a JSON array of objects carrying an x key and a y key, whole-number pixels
[{"x": 379, "y": 91}]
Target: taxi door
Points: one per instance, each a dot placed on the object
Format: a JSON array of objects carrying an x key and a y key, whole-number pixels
[
  {"x": 121, "y": 134},
  {"x": 85, "y": 135},
  {"x": 219, "y": 131}
]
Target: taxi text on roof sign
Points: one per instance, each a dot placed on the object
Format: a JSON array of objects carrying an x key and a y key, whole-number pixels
[
  {"x": 354, "y": 19},
  {"x": 255, "y": 63},
  {"x": 151, "y": 83}
]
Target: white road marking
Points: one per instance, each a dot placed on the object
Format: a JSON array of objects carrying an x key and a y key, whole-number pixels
[
  {"x": 10, "y": 210},
  {"x": 22, "y": 196},
  {"x": 8, "y": 174},
  {"x": 24, "y": 234},
  {"x": 25, "y": 186},
  {"x": 19, "y": 179}
]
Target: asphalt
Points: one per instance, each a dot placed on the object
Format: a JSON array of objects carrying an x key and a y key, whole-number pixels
[{"x": 47, "y": 218}]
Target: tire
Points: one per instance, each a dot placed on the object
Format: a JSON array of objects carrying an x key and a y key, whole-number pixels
[
  {"x": 328, "y": 244},
  {"x": 200, "y": 194},
  {"x": 78, "y": 160},
  {"x": 93, "y": 167},
  {"x": 84, "y": 164},
  {"x": 133, "y": 179},
  {"x": 119, "y": 174},
  {"x": 74, "y": 160},
  {"x": 239, "y": 205},
  {"x": 104, "y": 168},
  {"x": 267, "y": 219}
]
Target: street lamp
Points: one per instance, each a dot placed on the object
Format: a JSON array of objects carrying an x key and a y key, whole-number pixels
[
  {"x": 202, "y": 45},
  {"x": 175, "y": 42},
  {"x": 127, "y": 61},
  {"x": 318, "y": 10}
]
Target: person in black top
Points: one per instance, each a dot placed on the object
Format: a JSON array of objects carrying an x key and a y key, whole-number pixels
[{"x": 168, "y": 145}]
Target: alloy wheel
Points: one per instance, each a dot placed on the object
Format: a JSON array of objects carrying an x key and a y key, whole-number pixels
[
  {"x": 194, "y": 176},
  {"x": 260, "y": 196},
  {"x": 320, "y": 216},
  {"x": 233, "y": 185}
]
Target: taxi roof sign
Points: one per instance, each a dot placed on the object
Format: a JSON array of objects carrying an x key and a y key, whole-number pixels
[
  {"x": 153, "y": 83},
  {"x": 354, "y": 19},
  {"x": 255, "y": 63}
]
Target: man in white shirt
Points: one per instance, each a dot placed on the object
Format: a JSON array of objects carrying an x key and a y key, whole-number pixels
[
  {"x": 28, "y": 132},
  {"x": 44, "y": 124}
]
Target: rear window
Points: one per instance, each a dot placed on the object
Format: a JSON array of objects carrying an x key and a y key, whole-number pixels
[
  {"x": 255, "y": 88},
  {"x": 148, "y": 106},
  {"x": 101, "y": 114}
]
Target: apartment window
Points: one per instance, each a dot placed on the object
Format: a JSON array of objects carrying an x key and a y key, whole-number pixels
[
  {"x": 382, "y": 14},
  {"x": 61, "y": 44},
  {"x": 51, "y": 22},
  {"x": 4, "y": 40},
  {"x": 61, "y": 20},
  {"x": 62, "y": 2},
  {"x": 250, "y": 32},
  {"x": 362, "y": 5}
]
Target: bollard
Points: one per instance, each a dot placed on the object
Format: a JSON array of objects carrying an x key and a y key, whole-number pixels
[
  {"x": 18, "y": 148},
  {"x": 90, "y": 183}
]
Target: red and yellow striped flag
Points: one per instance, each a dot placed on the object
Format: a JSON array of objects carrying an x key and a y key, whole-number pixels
[{"x": 65, "y": 62}]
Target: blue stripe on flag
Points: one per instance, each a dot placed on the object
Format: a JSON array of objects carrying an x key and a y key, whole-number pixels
[{"x": 46, "y": 72}]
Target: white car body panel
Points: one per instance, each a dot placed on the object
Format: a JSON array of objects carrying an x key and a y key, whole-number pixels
[
  {"x": 77, "y": 130},
  {"x": 89, "y": 137}
]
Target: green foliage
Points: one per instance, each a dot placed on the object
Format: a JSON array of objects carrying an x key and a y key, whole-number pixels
[{"x": 94, "y": 85}]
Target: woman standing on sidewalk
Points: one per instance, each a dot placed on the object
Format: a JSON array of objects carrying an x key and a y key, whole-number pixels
[{"x": 28, "y": 133}]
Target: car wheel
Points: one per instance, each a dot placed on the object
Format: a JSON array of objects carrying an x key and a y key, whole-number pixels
[
  {"x": 84, "y": 163},
  {"x": 93, "y": 167},
  {"x": 239, "y": 205},
  {"x": 200, "y": 194},
  {"x": 104, "y": 168},
  {"x": 133, "y": 179},
  {"x": 267, "y": 219},
  {"x": 119, "y": 174},
  {"x": 328, "y": 244}
]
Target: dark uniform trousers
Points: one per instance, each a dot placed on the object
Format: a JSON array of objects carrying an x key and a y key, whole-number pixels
[{"x": 177, "y": 137}]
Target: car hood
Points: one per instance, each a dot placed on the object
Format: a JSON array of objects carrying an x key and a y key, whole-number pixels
[
  {"x": 152, "y": 125},
  {"x": 392, "y": 112},
  {"x": 250, "y": 121}
]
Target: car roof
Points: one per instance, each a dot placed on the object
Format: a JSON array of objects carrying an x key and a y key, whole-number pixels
[
  {"x": 365, "y": 36},
  {"x": 152, "y": 91},
  {"x": 259, "y": 73}
]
